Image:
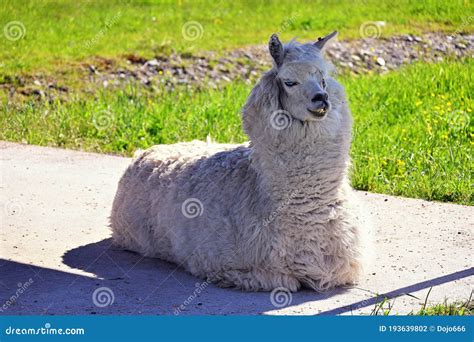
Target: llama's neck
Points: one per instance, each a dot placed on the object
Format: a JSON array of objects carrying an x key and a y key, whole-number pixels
[{"x": 305, "y": 173}]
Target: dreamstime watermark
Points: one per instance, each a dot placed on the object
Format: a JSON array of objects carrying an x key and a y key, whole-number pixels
[
  {"x": 192, "y": 30},
  {"x": 465, "y": 22},
  {"x": 287, "y": 23},
  {"x": 281, "y": 119},
  {"x": 458, "y": 118},
  {"x": 46, "y": 330},
  {"x": 202, "y": 110},
  {"x": 14, "y": 30},
  {"x": 192, "y": 208},
  {"x": 275, "y": 212},
  {"x": 22, "y": 287},
  {"x": 103, "y": 296},
  {"x": 371, "y": 29},
  {"x": 199, "y": 288},
  {"x": 102, "y": 119},
  {"x": 166, "y": 41},
  {"x": 13, "y": 208},
  {"x": 281, "y": 297},
  {"x": 108, "y": 24}
]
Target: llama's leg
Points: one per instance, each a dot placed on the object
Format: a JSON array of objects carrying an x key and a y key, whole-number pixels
[
  {"x": 337, "y": 273},
  {"x": 255, "y": 280}
]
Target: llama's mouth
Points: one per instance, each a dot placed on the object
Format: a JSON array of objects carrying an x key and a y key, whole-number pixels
[{"x": 319, "y": 113}]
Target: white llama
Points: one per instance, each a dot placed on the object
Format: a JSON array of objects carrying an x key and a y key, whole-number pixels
[{"x": 275, "y": 213}]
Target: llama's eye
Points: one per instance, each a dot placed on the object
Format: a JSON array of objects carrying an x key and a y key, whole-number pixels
[
  {"x": 290, "y": 83},
  {"x": 323, "y": 83}
]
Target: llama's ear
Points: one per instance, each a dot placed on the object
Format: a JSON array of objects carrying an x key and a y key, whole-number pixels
[
  {"x": 322, "y": 41},
  {"x": 276, "y": 49}
]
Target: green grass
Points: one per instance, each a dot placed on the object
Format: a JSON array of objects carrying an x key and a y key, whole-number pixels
[
  {"x": 460, "y": 308},
  {"x": 412, "y": 134},
  {"x": 448, "y": 309},
  {"x": 386, "y": 306},
  {"x": 60, "y": 32}
]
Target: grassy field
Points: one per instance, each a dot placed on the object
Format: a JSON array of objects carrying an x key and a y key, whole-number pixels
[
  {"x": 412, "y": 134},
  {"x": 56, "y": 33}
]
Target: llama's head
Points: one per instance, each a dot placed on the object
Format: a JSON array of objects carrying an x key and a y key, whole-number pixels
[
  {"x": 301, "y": 73},
  {"x": 300, "y": 86}
]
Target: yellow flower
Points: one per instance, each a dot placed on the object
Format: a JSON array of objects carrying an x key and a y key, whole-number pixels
[{"x": 418, "y": 103}]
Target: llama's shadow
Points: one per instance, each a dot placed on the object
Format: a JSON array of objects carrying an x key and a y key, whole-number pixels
[{"x": 151, "y": 286}]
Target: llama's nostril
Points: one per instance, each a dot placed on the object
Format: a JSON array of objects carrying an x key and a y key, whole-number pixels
[{"x": 320, "y": 97}]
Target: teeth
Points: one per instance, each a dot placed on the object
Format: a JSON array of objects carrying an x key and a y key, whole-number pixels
[{"x": 319, "y": 111}]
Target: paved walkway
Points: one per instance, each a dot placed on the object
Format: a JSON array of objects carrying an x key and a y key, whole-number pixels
[{"x": 55, "y": 250}]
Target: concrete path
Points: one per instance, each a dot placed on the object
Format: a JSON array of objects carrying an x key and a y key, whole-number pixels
[{"x": 55, "y": 250}]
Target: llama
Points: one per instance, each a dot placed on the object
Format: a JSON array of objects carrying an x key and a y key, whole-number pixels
[{"x": 274, "y": 213}]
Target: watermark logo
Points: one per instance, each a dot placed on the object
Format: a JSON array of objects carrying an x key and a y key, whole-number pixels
[
  {"x": 102, "y": 297},
  {"x": 199, "y": 288},
  {"x": 13, "y": 208},
  {"x": 192, "y": 30},
  {"x": 22, "y": 287},
  {"x": 102, "y": 32},
  {"x": 458, "y": 119},
  {"x": 281, "y": 119},
  {"x": 192, "y": 208},
  {"x": 47, "y": 329},
  {"x": 281, "y": 297},
  {"x": 102, "y": 120},
  {"x": 286, "y": 25},
  {"x": 465, "y": 22},
  {"x": 280, "y": 208},
  {"x": 14, "y": 30},
  {"x": 371, "y": 29}
]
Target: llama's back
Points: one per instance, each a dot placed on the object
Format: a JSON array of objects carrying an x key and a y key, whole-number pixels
[{"x": 147, "y": 215}]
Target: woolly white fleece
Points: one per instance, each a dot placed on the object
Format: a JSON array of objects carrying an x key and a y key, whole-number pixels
[{"x": 275, "y": 213}]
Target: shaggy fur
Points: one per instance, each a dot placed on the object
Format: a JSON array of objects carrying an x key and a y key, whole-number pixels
[{"x": 272, "y": 214}]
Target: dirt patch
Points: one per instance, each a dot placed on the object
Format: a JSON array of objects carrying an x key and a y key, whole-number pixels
[{"x": 211, "y": 69}]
